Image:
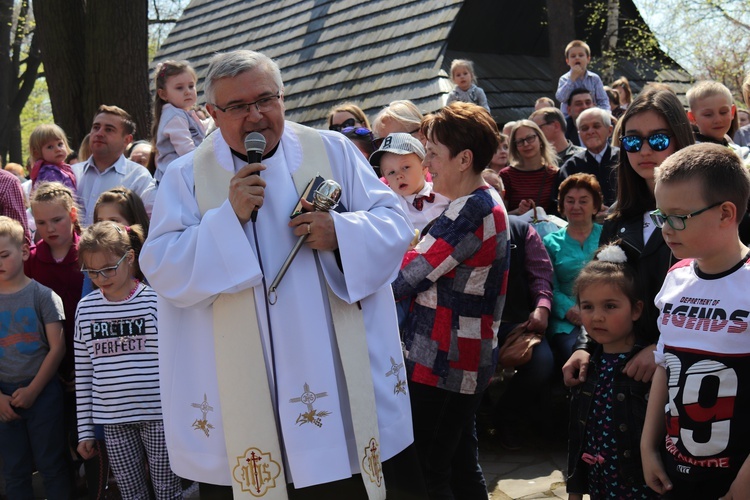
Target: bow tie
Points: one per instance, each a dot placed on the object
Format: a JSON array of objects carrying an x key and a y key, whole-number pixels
[{"x": 419, "y": 201}]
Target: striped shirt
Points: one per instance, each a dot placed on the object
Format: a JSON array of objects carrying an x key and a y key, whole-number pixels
[
  {"x": 537, "y": 185},
  {"x": 117, "y": 363}
]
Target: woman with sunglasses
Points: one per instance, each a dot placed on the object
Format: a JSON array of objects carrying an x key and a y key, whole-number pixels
[
  {"x": 345, "y": 115},
  {"x": 362, "y": 138},
  {"x": 654, "y": 126},
  {"x": 530, "y": 177}
]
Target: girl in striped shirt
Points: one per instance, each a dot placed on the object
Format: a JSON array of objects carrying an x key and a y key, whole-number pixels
[{"x": 117, "y": 368}]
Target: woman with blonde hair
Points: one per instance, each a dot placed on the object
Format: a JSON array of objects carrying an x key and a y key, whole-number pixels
[{"x": 530, "y": 178}]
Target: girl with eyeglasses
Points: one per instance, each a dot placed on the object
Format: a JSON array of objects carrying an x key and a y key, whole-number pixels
[
  {"x": 117, "y": 364},
  {"x": 654, "y": 126},
  {"x": 530, "y": 178}
]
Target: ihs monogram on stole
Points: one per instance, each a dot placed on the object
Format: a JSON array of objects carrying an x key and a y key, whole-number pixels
[
  {"x": 371, "y": 464},
  {"x": 400, "y": 387},
  {"x": 201, "y": 424},
  {"x": 256, "y": 472},
  {"x": 312, "y": 415}
]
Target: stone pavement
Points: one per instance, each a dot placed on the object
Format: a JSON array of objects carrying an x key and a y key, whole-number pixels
[{"x": 535, "y": 472}]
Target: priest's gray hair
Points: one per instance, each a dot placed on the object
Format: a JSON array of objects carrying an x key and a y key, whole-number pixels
[{"x": 231, "y": 64}]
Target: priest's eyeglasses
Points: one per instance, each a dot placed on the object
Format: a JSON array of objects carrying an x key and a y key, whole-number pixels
[
  {"x": 263, "y": 105},
  {"x": 677, "y": 222},
  {"x": 104, "y": 273}
]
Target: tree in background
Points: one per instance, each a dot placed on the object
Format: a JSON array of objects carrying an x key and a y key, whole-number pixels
[
  {"x": 617, "y": 30},
  {"x": 94, "y": 52},
  {"x": 19, "y": 66},
  {"x": 97, "y": 51},
  {"x": 710, "y": 38}
]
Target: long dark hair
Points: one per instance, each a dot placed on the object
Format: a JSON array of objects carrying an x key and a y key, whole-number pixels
[{"x": 634, "y": 197}]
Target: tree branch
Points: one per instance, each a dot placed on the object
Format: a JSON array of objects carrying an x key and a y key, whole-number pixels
[{"x": 716, "y": 5}]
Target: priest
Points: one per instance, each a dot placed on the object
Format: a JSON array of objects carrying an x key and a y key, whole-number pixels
[{"x": 303, "y": 395}]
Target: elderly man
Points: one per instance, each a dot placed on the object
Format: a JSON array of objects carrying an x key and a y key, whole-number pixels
[
  {"x": 111, "y": 132},
  {"x": 579, "y": 100},
  {"x": 308, "y": 387},
  {"x": 599, "y": 158},
  {"x": 552, "y": 123}
]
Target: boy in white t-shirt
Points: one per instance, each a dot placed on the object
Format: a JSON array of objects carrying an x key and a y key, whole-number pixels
[
  {"x": 695, "y": 441},
  {"x": 400, "y": 160}
]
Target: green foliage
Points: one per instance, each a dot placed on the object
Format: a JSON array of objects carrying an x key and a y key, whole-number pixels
[
  {"x": 636, "y": 43},
  {"x": 36, "y": 112}
]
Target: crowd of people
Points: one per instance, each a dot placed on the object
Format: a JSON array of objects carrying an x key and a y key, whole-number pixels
[{"x": 141, "y": 332}]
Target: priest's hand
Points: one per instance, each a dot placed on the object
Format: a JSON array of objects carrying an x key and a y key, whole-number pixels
[
  {"x": 319, "y": 226},
  {"x": 246, "y": 191}
]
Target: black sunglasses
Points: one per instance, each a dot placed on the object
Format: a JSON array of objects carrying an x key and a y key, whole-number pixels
[
  {"x": 347, "y": 123},
  {"x": 634, "y": 143}
]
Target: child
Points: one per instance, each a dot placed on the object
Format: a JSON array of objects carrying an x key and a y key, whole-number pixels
[
  {"x": 466, "y": 90},
  {"x": 607, "y": 411},
  {"x": 177, "y": 129},
  {"x": 117, "y": 369},
  {"x": 742, "y": 136},
  {"x": 123, "y": 206},
  {"x": 713, "y": 111},
  {"x": 400, "y": 160},
  {"x": 578, "y": 57},
  {"x": 500, "y": 158},
  {"x": 48, "y": 148},
  {"x": 695, "y": 439},
  {"x": 53, "y": 262},
  {"x": 31, "y": 397},
  {"x": 622, "y": 87}
]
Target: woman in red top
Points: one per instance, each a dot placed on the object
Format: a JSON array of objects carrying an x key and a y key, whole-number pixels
[{"x": 530, "y": 177}]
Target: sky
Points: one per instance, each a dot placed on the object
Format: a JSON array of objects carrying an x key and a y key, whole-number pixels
[{"x": 682, "y": 26}]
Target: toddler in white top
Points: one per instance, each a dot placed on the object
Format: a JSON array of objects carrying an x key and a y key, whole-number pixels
[{"x": 400, "y": 160}]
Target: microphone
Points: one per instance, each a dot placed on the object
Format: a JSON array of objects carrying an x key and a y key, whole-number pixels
[
  {"x": 325, "y": 199},
  {"x": 255, "y": 144}
]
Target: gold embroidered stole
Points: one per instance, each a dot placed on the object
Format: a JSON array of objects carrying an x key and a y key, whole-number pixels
[{"x": 254, "y": 454}]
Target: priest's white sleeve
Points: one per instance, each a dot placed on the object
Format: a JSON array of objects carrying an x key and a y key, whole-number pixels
[
  {"x": 374, "y": 232},
  {"x": 191, "y": 259}
]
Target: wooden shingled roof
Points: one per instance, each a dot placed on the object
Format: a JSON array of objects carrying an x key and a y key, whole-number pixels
[
  {"x": 372, "y": 52},
  {"x": 329, "y": 51}
]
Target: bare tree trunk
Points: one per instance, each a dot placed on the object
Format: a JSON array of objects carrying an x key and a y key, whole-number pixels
[
  {"x": 561, "y": 23},
  {"x": 95, "y": 52},
  {"x": 6, "y": 21},
  {"x": 117, "y": 59},
  {"x": 609, "y": 41},
  {"x": 62, "y": 37},
  {"x": 17, "y": 86}
]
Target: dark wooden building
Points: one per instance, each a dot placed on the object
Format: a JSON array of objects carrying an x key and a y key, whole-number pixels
[{"x": 372, "y": 52}]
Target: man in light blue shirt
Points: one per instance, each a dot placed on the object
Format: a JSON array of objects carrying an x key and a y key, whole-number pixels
[{"x": 111, "y": 132}]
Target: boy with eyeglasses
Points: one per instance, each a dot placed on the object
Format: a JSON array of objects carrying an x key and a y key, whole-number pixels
[
  {"x": 31, "y": 396},
  {"x": 695, "y": 443}
]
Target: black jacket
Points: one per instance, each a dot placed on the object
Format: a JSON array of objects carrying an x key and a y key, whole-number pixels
[
  {"x": 605, "y": 173},
  {"x": 629, "y": 403}
]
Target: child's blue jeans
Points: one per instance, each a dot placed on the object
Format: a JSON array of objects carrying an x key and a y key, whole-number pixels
[{"x": 37, "y": 438}]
